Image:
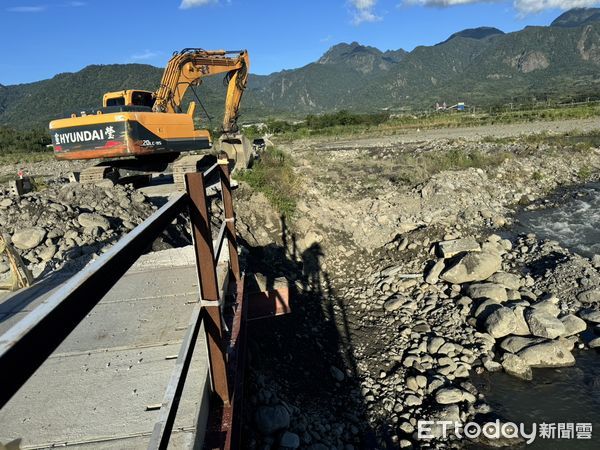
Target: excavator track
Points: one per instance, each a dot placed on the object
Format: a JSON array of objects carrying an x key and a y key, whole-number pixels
[
  {"x": 185, "y": 164},
  {"x": 237, "y": 147},
  {"x": 94, "y": 174}
]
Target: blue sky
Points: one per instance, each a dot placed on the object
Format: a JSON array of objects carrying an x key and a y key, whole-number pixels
[{"x": 40, "y": 38}]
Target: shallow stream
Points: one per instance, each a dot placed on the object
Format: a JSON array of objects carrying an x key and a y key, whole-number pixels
[
  {"x": 574, "y": 221},
  {"x": 565, "y": 395},
  {"x": 569, "y": 395}
]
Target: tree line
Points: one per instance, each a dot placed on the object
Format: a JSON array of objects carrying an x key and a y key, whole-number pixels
[{"x": 18, "y": 141}]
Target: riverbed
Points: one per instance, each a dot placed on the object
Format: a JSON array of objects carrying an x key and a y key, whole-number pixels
[{"x": 569, "y": 395}]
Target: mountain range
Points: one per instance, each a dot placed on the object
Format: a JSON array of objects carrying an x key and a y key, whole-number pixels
[{"x": 482, "y": 67}]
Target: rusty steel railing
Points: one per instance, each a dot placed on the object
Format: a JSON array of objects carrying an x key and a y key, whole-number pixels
[
  {"x": 225, "y": 360},
  {"x": 25, "y": 346}
]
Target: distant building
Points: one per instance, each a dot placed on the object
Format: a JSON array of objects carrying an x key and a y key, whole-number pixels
[
  {"x": 259, "y": 125},
  {"x": 460, "y": 106}
]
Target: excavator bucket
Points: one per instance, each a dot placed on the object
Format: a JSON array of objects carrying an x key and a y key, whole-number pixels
[{"x": 238, "y": 149}]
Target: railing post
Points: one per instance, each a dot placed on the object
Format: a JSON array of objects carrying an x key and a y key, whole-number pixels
[
  {"x": 229, "y": 215},
  {"x": 207, "y": 277}
]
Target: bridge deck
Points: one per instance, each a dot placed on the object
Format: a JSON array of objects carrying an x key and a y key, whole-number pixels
[{"x": 100, "y": 388}]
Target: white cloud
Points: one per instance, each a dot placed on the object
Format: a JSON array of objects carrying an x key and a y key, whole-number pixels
[
  {"x": 363, "y": 11},
  {"x": 443, "y": 3},
  {"x": 533, "y": 6},
  {"x": 186, "y": 4},
  {"x": 146, "y": 54},
  {"x": 523, "y": 6},
  {"x": 27, "y": 9},
  {"x": 42, "y": 8}
]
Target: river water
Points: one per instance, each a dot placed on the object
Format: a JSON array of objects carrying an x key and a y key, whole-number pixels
[
  {"x": 565, "y": 395},
  {"x": 574, "y": 222},
  {"x": 568, "y": 395}
]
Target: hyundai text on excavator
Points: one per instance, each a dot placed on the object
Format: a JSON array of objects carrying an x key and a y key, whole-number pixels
[{"x": 145, "y": 131}]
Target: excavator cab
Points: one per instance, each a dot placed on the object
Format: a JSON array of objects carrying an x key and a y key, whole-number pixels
[{"x": 129, "y": 98}]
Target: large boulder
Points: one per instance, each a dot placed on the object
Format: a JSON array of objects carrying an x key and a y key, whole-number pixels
[
  {"x": 485, "y": 308},
  {"x": 28, "y": 238},
  {"x": 394, "y": 302},
  {"x": 516, "y": 366},
  {"x": 453, "y": 247},
  {"x": 548, "y": 306},
  {"x": 433, "y": 276},
  {"x": 449, "y": 413},
  {"x": 434, "y": 344},
  {"x": 270, "y": 419},
  {"x": 487, "y": 290},
  {"x": 93, "y": 220},
  {"x": 522, "y": 329},
  {"x": 594, "y": 343},
  {"x": 514, "y": 344},
  {"x": 473, "y": 267},
  {"x": 289, "y": 440},
  {"x": 589, "y": 296},
  {"x": 508, "y": 280},
  {"x": 543, "y": 324},
  {"x": 590, "y": 315},
  {"x": 573, "y": 325},
  {"x": 47, "y": 252},
  {"x": 548, "y": 354},
  {"x": 501, "y": 322},
  {"x": 448, "y": 396}
]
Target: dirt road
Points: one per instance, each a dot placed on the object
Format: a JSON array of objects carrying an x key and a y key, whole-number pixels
[{"x": 466, "y": 133}]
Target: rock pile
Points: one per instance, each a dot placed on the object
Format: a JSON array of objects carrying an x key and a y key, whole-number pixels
[
  {"x": 477, "y": 307},
  {"x": 529, "y": 330},
  {"x": 417, "y": 336},
  {"x": 65, "y": 222}
]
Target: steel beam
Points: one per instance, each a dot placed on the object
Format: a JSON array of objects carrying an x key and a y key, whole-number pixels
[
  {"x": 229, "y": 215},
  {"x": 168, "y": 411},
  {"x": 224, "y": 426},
  {"x": 207, "y": 276}
]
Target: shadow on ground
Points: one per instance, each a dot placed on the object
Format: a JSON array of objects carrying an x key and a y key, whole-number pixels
[
  {"x": 547, "y": 263},
  {"x": 305, "y": 359}
]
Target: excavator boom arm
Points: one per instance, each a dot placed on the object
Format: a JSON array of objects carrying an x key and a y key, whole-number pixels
[{"x": 188, "y": 67}]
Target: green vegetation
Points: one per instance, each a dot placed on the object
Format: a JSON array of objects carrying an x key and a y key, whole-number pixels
[
  {"x": 344, "y": 118},
  {"x": 25, "y": 157},
  {"x": 274, "y": 176},
  {"x": 344, "y": 123},
  {"x": 417, "y": 168},
  {"x": 340, "y": 122},
  {"x": 537, "y": 176},
  {"x": 412, "y": 168},
  {"x": 23, "y": 146},
  {"x": 585, "y": 172}
]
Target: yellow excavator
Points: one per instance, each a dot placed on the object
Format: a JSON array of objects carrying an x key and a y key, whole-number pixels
[{"x": 145, "y": 131}]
